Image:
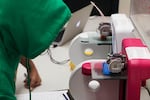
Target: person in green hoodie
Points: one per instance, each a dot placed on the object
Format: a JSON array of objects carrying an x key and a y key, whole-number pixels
[{"x": 27, "y": 28}]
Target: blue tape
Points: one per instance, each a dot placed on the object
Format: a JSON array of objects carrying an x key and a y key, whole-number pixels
[{"x": 105, "y": 69}]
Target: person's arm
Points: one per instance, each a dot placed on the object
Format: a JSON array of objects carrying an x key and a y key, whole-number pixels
[{"x": 34, "y": 75}]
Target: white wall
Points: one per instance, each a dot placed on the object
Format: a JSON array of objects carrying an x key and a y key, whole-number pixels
[{"x": 124, "y": 6}]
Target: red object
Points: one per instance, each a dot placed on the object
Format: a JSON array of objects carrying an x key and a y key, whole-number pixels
[
  {"x": 138, "y": 67},
  {"x": 98, "y": 67},
  {"x": 86, "y": 68}
]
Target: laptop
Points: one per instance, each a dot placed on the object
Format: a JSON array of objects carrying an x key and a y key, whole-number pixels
[{"x": 74, "y": 26}]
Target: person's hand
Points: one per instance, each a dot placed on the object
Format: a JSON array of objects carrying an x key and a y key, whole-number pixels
[{"x": 35, "y": 80}]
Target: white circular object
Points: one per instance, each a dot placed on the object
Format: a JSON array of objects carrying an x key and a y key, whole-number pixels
[{"x": 94, "y": 85}]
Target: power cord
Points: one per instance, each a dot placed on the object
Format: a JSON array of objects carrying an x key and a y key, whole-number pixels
[
  {"x": 98, "y": 9},
  {"x": 54, "y": 60}
]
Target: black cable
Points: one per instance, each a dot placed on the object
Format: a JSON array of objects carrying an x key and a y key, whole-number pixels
[{"x": 28, "y": 76}]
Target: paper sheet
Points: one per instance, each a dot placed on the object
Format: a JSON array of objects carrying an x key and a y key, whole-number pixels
[{"x": 53, "y": 95}]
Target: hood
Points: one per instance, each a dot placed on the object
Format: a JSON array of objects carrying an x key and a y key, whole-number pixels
[{"x": 28, "y": 27}]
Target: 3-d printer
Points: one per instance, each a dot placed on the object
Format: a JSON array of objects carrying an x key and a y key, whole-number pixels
[{"x": 119, "y": 75}]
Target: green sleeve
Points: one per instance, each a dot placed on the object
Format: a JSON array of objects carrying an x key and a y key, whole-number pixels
[{"x": 31, "y": 25}]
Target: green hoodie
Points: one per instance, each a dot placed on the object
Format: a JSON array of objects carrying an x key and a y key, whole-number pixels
[{"x": 27, "y": 28}]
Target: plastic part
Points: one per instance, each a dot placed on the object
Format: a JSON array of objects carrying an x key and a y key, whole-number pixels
[
  {"x": 116, "y": 65},
  {"x": 72, "y": 65},
  {"x": 94, "y": 85},
  {"x": 88, "y": 51},
  {"x": 138, "y": 67},
  {"x": 86, "y": 68},
  {"x": 106, "y": 69},
  {"x": 122, "y": 27}
]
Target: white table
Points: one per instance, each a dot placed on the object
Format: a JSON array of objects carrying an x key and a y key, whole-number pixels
[{"x": 54, "y": 76}]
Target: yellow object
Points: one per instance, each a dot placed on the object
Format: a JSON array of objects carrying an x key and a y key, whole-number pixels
[
  {"x": 72, "y": 65},
  {"x": 88, "y": 52}
]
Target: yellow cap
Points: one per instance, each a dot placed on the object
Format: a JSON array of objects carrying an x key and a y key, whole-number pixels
[
  {"x": 72, "y": 65},
  {"x": 88, "y": 52}
]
